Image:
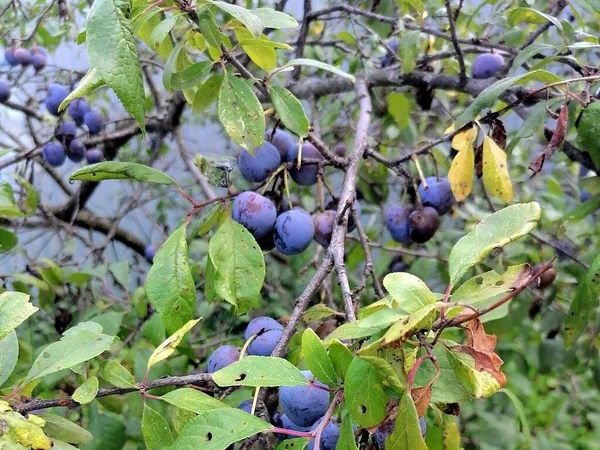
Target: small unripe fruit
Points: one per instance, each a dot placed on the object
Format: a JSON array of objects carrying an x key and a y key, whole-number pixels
[
  {"x": 94, "y": 155},
  {"x": 54, "y": 154},
  {"x": 423, "y": 224}
]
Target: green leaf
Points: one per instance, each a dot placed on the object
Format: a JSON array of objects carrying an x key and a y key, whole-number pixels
[
  {"x": 487, "y": 98},
  {"x": 86, "y": 392},
  {"x": 207, "y": 221},
  {"x": 216, "y": 430},
  {"x": 409, "y": 291},
  {"x": 193, "y": 400},
  {"x": 317, "y": 358},
  {"x": 207, "y": 93},
  {"x": 290, "y": 111},
  {"x": 32, "y": 197},
  {"x": 161, "y": 31},
  {"x": 364, "y": 394},
  {"x": 191, "y": 76},
  {"x": 407, "y": 432},
  {"x": 9, "y": 355},
  {"x": 8, "y": 240},
  {"x": 117, "y": 375},
  {"x": 61, "y": 445},
  {"x": 382, "y": 318},
  {"x": 260, "y": 371},
  {"x": 170, "y": 285},
  {"x": 241, "y": 113},
  {"x": 14, "y": 309},
  {"x": 156, "y": 430},
  {"x": 594, "y": 4},
  {"x": 587, "y": 132},
  {"x": 293, "y": 444},
  {"x": 108, "y": 430},
  {"x": 409, "y": 50},
  {"x": 8, "y": 205},
  {"x": 78, "y": 344},
  {"x": 346, "y": 441},
  {"x": 61, "y": 428},
  {"x": 389, "y": 378},
  {"x": 261, "y": 51},
  {"x": 247, "y": 17},
  {"x": 318, "y": 311},
  {"x": 166, "y": 349},
  {"x": 269, "y": 18},
  {"x": 318, "y": 65},
  {"x": 478, "y": 382},
  {"x": 239, "y": 265},
  {"x": 399, "y": 107},
  {"x": 341, "y": 358},
  {"x": 216, "y": 168},
  {"x": 113, "y": 53},
  {"x": 114, "y": 170},
  {"x": 173, "y": 64},
  {"x": 531, "y": 15},
  {"x": 584, "y": 304},
  {"x": 89, "y": 83},
  {"x": 351, "y": 330},
  {"x": 495, "y": 231},
  {"x": 209, "y": 28},
  {"x": 522, "y": 417}
]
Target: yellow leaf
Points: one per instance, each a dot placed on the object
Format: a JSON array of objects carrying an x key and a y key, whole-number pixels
[
  {"x": 464, "y": 139},
  {"x": 495, "y": 172},
  {"x": 166, "y": 349},
  {"x": 449, "y": 130},
  {"x": 460, "y": 174}
]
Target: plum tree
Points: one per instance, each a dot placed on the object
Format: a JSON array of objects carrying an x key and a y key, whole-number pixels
[
  {"x": 323, "y": 224},
  {"x": 438, "y": 194},
  {"x": 94, "y": 155},
  {"x": 282, "y": 140},
  {"x": 397, "y": 223},
  {"x": 257, "y": 168},
  {"x": 304, "y": 405},
  {"x": 268, "y": 332},
  {"x": 423, "y": 223},
  {"x": 94, "y": 121},
  {"x": 5, "y": 90},
  {"x": 23, "y": 56},
  {"x": 54, "y": 97},
  {"x": 255, "y": 212},
  {"x": 150, "y": 252},
  {"x": 329, "y": 436},
  {"x": 293, "y": 232},
  {"x": 54, "y": 154},
  {"x": 76, "y": 150},
  {"x": 222, "y": 357},
  {"x": 77, "y": 109},
  {"x": 306, "y": 175},
  {"x": 486, "y": 65}
]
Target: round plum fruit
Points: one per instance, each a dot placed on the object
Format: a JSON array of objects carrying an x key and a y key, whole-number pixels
[
  {"x": 222, "y": 357},
  {"x": 486, "y": 65},
  {"x": 438, "y": 194},
  {"x": 306, "y": 175},
  {"x": 293, "y": 232},
  {"x": 257, "y": 168},
  {"x": 396, "y": 221},
  {"x": 255, "y": 212},
  {"x": 268, "y": 333},
  {"x": 304, "y": 405}
]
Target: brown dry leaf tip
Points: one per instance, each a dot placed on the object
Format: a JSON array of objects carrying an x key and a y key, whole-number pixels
[
  {"x": 558, "y": 137},
  {"x": 421, "y": 396},
  {"x": 499, "y": 133}
]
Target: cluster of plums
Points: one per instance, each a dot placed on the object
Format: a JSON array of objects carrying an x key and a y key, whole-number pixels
[
  {"x": 21, "y": 56},
  {"x": 408, "y": 224},
  {"x": 66, "y": 144},
  {"x": 292, "y": 230}
]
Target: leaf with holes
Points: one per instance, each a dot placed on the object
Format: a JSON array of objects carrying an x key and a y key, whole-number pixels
[
  {"x": 260, "y": 371},
  {"x": 156, "y": 430},
  {"x": 364, "y": 393}
]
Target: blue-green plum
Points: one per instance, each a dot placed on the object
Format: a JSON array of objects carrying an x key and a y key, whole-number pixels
[
  {"x": 222, "y": 357},
  {"x": 54, "y": 154},
  {"x": 150, "y": 252},
  {"x": 76, "y": 150},
  {"x": 9, "y": 56},
  {"x": 307, "y": 174},
  {"x": 423, "y": 224},
  {"x": 396, "y": 221},
  {"x": 94, "y": 121},
  {"x": 293, "y": 232},
  {"x": 438, "y": 194},
  {"x": 55, "y": 96},
  {"x": 486, "y": 65},
  {"x": 246, "y": 406},
  {"x": 329, "y": 436},
  {"x": 282, "y": 140},
  {"x": 323, "y": 223},
  {"x": 304, "y": 405},
  {"x": 78, "y": 108},
  {"x": 94, "y": 155},
  {"x": 268, "y": 333},
  {"x": 4, "y": 91},
  {"x": 257, "y": 213},
  {"x": 23, "y": 56},
  {"x": 257, "y": 168}
]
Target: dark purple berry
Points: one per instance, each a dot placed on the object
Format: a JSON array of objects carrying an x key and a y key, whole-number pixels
[
  {"x": 304, "y": 405},
  {"x": 486, "y": 65},
  {"x": 54, "y": 154},
  {"x": 38, "y": 61},
  {"x": 222, "y": 357},
  {"x": 9, "y": 55},
  {"x": 268, "y": 333},
  {"x": 323, "y": 223},
  {"x": 76, "y": 150},
  {"x": 257, "y": 168},
  {"x": 255, "y": 212},
  {"x": 438, "y": 194},
  {"x": 55, "y": 96},
  {"x": 23, "y": 56},
  {"x": 307, "y": 174},
  {"x": 150, "y": 252},
  {"x": 94, "y": 121},
  {"x": 94, "y": 155},
  {"x": 4, "y": 91},
  {"x": 282, "y": 140},
  {"x": 78, "y": 108},
  {"x": 396, "y": 221},
  {"x": 423, "y": 224},
  {"x": 293, "y": 232}
]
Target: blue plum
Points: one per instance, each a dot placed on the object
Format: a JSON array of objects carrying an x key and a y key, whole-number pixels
[
  {"x": 438, "y": 194},
  {"x": 38, "y": 61},
  {"x": 67, "y": 130},
  {"x": 304, "y": 405},
  {"x": 282, "y": 140},
  {"x": 423, "y": 426},
  {"x": 486, "y": 65},
  {"x": 307, "y": 174},
  {"x": 329, "y": 436},
  {"x": 396, "y": 221},
  {"x": 150, "y": 252},
  {"x": 323, "y": 223},
  {"x": 333, "y": 204},
  {"x": 222, "y": 357},
  {"x": 257, "y": 168},
  {"x": 246, "y": 406},
  {"x": 398, "y": 265},
  {"x": 385, "y": 429},
  {"x": 268, "y": 333},
  {"x": 293, "y": 232},
  {"x": 340, "y": 150},
  {"x": 94, "y": 121},
  {"x": 78, "y": 108},
  {"x": 255, "y": 212},
  {"x": 4, "y": 91},
  {"x": 423, "y": 224},
  {"x": 76, "y": 150},
  {"x": 390, "y": 56},
  {"x": 9, "y": 55},
  {"x": 55, "y": 96},
  {"x": 23, "y": 56},
  {"x": 94, "y": 155},
  {"x": 54, "y": 154},
  {"x": 584, "y": 196}
]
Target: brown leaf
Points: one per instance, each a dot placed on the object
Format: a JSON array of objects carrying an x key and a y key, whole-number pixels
[
  {"x": 421, "y": 396},
  {"x": 479, "y": 161},
  {"x": 452, "y": 409},
  {"x": 558, "y": 137},
  {"x": 499, "y": 133}
]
